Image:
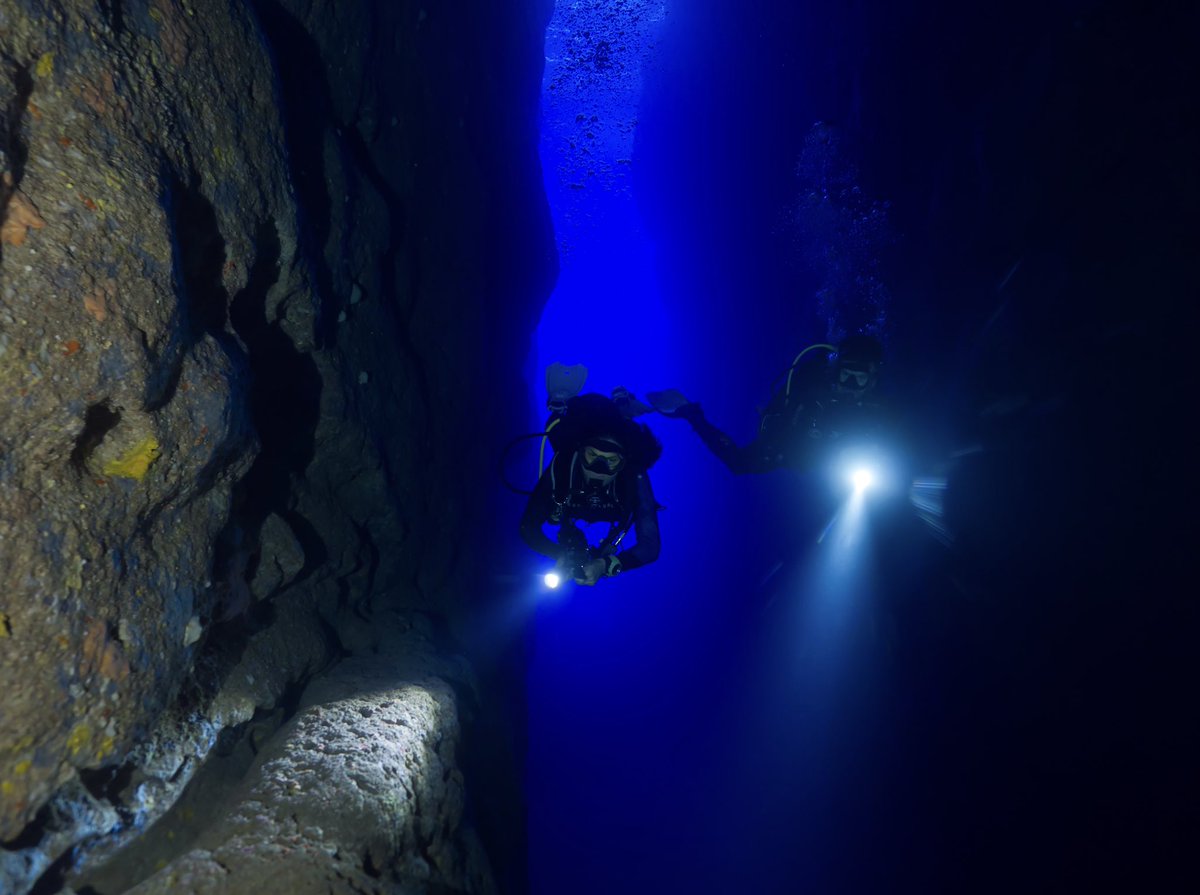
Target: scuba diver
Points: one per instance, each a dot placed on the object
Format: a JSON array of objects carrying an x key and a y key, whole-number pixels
[
  {"x": 819, "y": 406},
  {"x": 599, "y": 473}
]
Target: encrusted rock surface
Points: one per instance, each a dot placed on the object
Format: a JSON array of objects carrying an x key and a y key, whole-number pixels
[
  {"x": 105, "y": 809},
  {"x": 124, "y": 421},
  {"x": 359, "y": 792},
  {"x": 250, "y": 285}
]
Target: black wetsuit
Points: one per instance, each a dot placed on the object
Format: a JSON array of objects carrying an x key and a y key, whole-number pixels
[
  {"x": 799, "y": 427},
  {"x": 563, "y": 496}
]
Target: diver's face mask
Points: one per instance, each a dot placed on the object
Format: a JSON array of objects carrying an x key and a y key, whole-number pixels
[
  {"x": 602, "y": 461},
  {"x": 855, "y": 380}
]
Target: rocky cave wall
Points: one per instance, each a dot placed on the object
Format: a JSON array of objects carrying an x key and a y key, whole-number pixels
[{"x": 258, "y": 260}]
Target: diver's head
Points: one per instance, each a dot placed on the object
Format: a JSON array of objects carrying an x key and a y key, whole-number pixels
[
  {"x": 856, "y": 370},
  {"x": 608, "y": 443},
  {"x": 602, "y": 457}
]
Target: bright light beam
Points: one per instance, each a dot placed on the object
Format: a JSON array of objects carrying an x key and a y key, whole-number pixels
[
  {"x": 862, "y": 478},
  {"x": 552, "y": 580}
]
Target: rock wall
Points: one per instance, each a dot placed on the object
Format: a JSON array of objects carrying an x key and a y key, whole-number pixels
[
  {"x": 257, "y": 258},
  {"x": 360, "y": 791}
]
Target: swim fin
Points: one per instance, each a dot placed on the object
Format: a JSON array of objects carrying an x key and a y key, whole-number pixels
[{"x": 563, "y": 382}]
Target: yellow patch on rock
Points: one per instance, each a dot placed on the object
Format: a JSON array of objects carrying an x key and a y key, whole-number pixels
[
  {"x": 134, "y": 463},
  {"x": 79, "y": 738},
  {"x": 25, "y": 742},
  {"x": 45, "y": 65}
]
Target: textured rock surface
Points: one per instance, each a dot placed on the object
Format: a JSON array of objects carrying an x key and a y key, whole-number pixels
[
  {"x": 250, "y": 283},
  {"x": 125, "y": 421},
  {"x": 364, "y": 772},
  {"x": 106, "y": 809}
]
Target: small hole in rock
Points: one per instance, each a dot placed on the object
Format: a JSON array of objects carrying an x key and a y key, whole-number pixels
[{"x": 99, "y": 420}]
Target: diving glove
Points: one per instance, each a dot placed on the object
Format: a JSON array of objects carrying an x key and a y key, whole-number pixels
[
  {"x": 667, "y": 402},
  {"x": 628, "y": 404}
]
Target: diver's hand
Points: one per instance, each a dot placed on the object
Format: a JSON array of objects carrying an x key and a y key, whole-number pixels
[
  {"x": 668, "y": 402},
  {"x": 591, "y": 572}
]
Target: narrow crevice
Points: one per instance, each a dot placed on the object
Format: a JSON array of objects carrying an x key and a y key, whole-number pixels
[
  {"x": 54, "y": 878},
  {"x": 315, "y": 552},
  {"x": 284, "y": 395},
  {"x": 307, "y": 112},
  {"x": 202, "y": 311},
  {"x": 14, "y": 150},
  {"x": 252, "y": 733},
  {"x": 114, "y": 14},
  {"x": 198, "y": 257},
  {"x": 33, "y": 832},
  {"x": 372, "y": 551},
  {"x": 108, "y": 784},
  {"x": 98, "y": 421}
]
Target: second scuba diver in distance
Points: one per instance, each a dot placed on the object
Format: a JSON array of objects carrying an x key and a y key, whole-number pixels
[
  {"x": 820, "y": 405},
  {"x": 599, "y": 473}
]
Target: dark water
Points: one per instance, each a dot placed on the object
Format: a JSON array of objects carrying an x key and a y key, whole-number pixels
[{"x": 990, "y": 694}]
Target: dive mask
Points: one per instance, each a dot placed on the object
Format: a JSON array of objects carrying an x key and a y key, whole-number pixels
[
  {"x": 602, "y": 458},
  {"x": 852, "y": 378}
]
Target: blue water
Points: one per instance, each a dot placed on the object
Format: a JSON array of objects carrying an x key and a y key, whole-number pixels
[
  {"x": 765, "y": 709},
  {"x": 679, "y": 269}
]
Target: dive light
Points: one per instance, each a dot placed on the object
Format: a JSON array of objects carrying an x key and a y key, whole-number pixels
[
  {"x": 862, "y": 478},
  {"x": 863, "y": 469}
]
